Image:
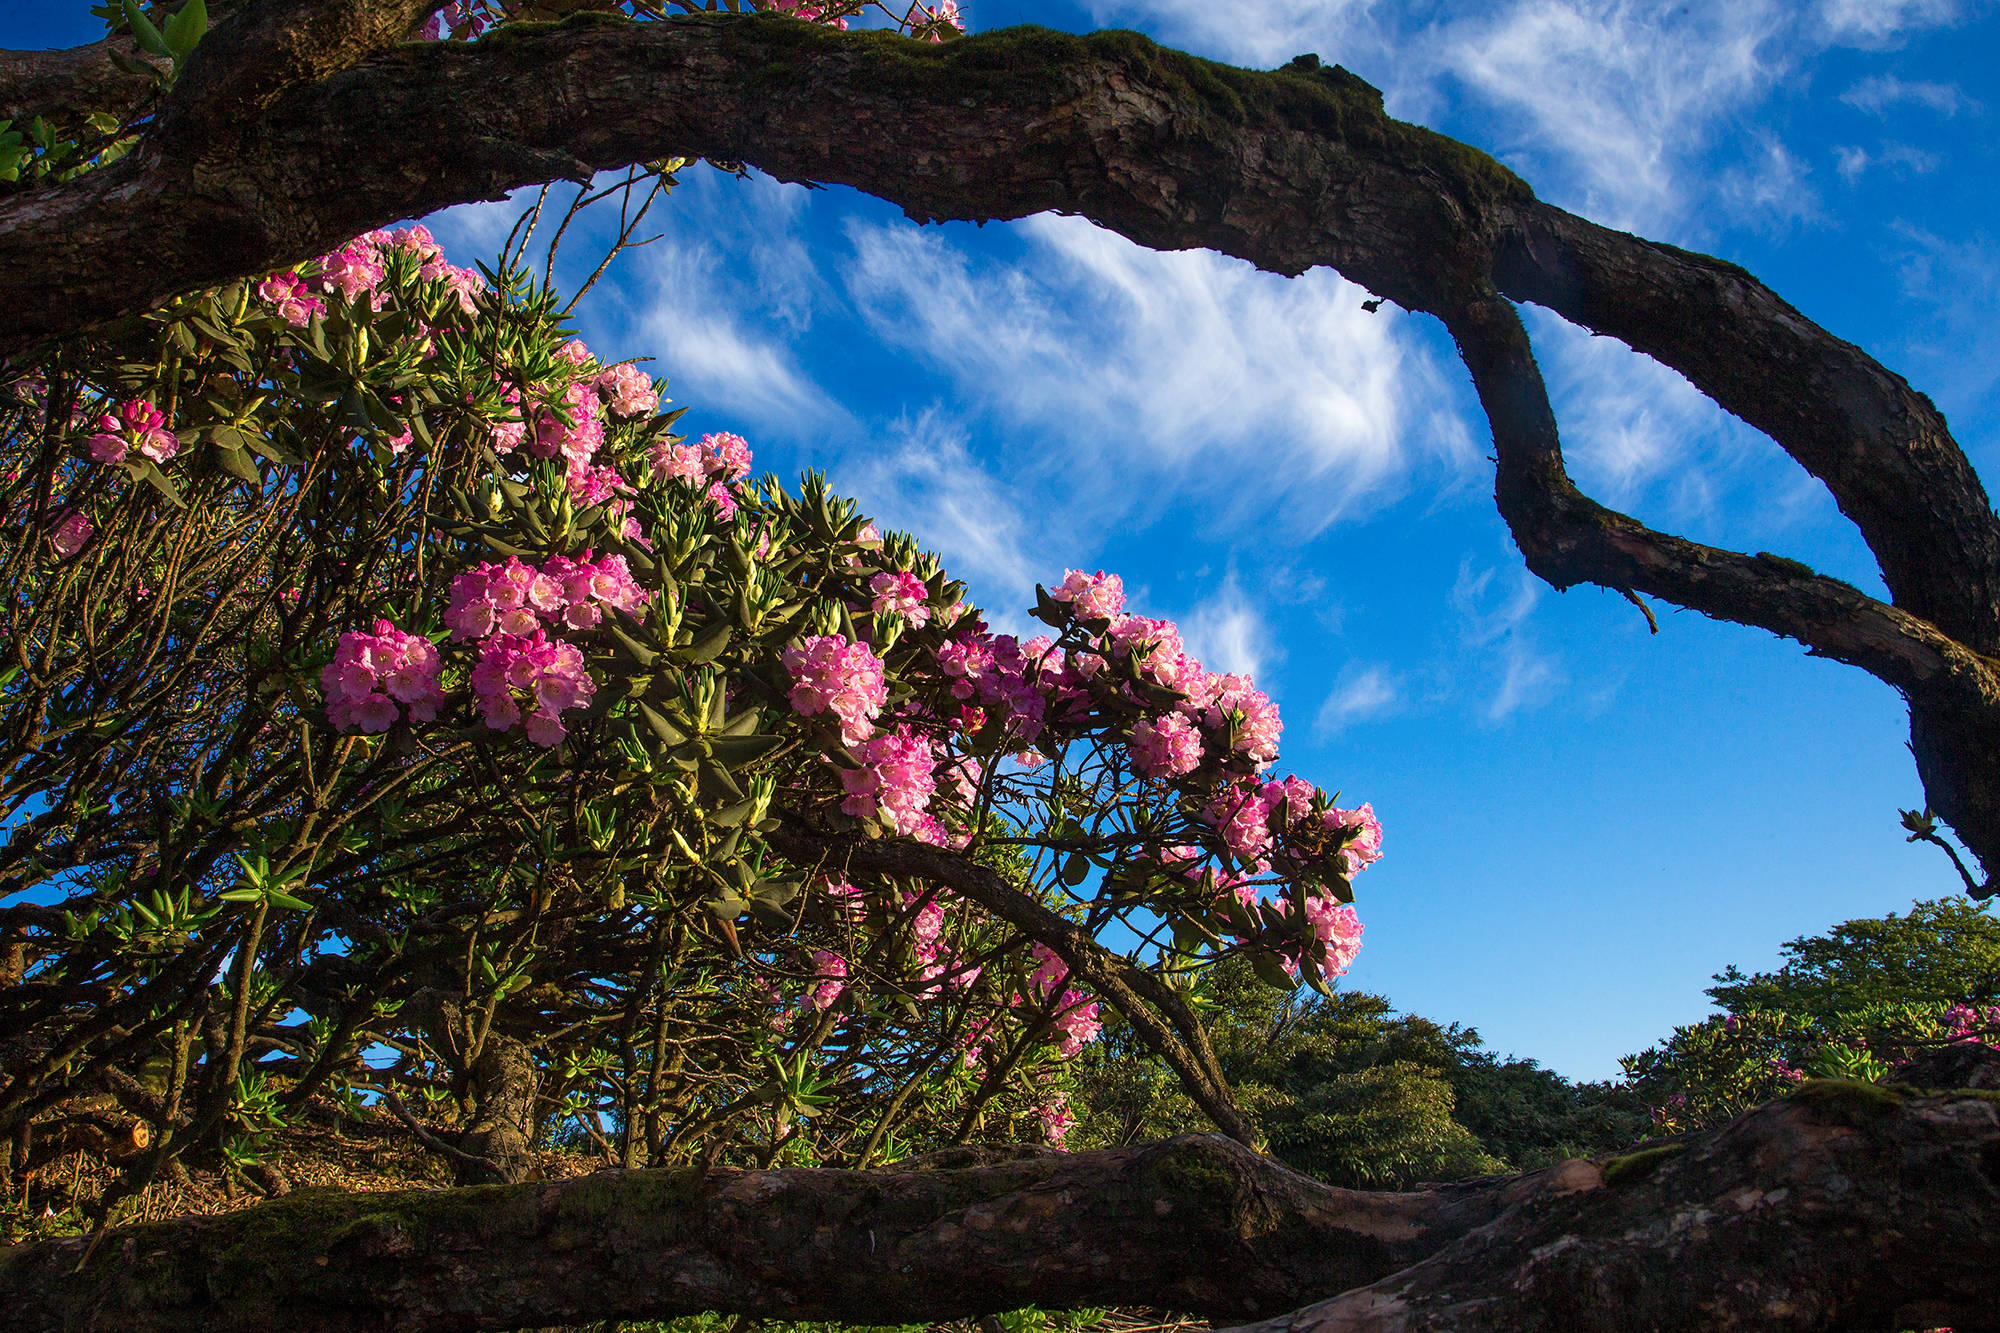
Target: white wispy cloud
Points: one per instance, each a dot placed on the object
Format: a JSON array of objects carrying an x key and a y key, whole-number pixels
[
  {"x": 721, "y": 299},
  {"x": 685, "y": 309},
  {"x": 1884, "y": 22},
  {"x": 1145, "y": 372},
  {"x": 1228, "y": 632},
  {"x": 1492, "y": 609},
  {"x": 1877, "y": 94},
  {"x": 1528, "y": 680},
  {"x": 922, "y": 477},
  {"x": 1362, "y": 692}
]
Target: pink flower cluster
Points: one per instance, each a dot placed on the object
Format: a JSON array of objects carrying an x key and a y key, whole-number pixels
[
  {"x": 296, "y": 302},
  {"x": 830, "y": 971},
  {"x": 511, "y": 609},
  {"x": 1243, "y": 815},
  {"x": 831, "y": 675},
  {"x": 371, "y": 673},
  {"x": 1053, "y": 1114},
  {"x": 134, "y": 424},
  {"x": 1338, "y": 929},
  {"x": 360, "y": 267},
  {"x": 894, "y": 782},
  {"x": 628, "y": 391},
  {"x": 708, "y": 465},
  {"x": 516, "y": 598},
  {"x": 1077, "y": 1018},
  {"x": 1098, "y": 596},
  {"x": 1970, "y": 1024},
  {"x": 901, "y": 595},
  {"x": 833, "y": 14},
  {"x": 1165, "y": 747},
  {"x": 538, "y": 673}
]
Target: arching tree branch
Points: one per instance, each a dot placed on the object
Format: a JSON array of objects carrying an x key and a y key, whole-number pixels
[{"x": 1288, "y": 169}]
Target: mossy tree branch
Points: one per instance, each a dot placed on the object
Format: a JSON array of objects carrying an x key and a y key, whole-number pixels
[{"x": 1847, "y": 1206}]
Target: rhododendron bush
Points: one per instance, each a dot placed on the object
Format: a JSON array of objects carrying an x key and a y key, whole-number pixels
[{"x": 405, "y": 722}]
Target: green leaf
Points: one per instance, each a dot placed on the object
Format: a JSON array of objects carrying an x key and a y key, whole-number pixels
[
  {"x": 160, "y": 483},
  {"x": 730, "y": 816},
  {"x": 641, "y": 654},
  {"x": 707, "y": 645},
  {"x": 1077, "y": 870},
  {"x": 665, "y": 730},
  {"x": 237, "y": 464},
  {"x": 148, "y": 36},
  {"x": 185, "y": 29},
  {"x": 738, "y": 750},
  {"x": 1271, "y": 972}
]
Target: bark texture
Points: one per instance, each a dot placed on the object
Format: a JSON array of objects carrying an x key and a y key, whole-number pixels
[
  {"x": 297, "y": 125},
  {"x": 1847, "y": 1207}
]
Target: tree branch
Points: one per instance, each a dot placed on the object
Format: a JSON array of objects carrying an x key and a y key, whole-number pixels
[
  {"x": 66, "y": 84},
  {"x": 1158, "y": 1014},
  {"x": 263, "y": 50},
  {"x": 1879, "y": 446},
  {"x": 1846, "y": 1206},
  {"x": 1052, "y": 1229}
]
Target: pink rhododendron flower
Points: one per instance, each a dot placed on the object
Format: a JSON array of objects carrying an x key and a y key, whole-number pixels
[
  {"x": 1098, "y": 596},
  {"x": 1239, "y": 813},
  {"x": 723, "y": 499},
  {"x": 580, "y": 439},
  {"x": 372, "y": 673},
  {"x": 901, "y": 595},
  {"x": 354, "y": 268},
  {"x": 894, "y": 783},
  {"x": 964, "y": 773},
  {"x": 135, "y": 424},
  {"x": 728, "y": 454},
  {"x": 1364, "y": 849},
  {"x": 628, "y": 391},
  {"x": 831, "y": 969},
  {"x": 296, "y": 302},
  {"x": 944, "y": 14},
  {"x": 1248, "y": 717},
  {"x": 1055, "y": 1118},
  {"x": 1050, "y": 970},
  {"x": 813, "y": 11},
  {"x": 1077, "y": 1021},
  {"x": 1338, "y": 929},
  {"x": 72, "y": 533},
  {"x": 588, "y": 585},
  {"x": 1165, "y": 747},
  {"x": 544, "y": 676},
  {"x": 965, "y": 660},
  {"x": 831, "y": 675}
]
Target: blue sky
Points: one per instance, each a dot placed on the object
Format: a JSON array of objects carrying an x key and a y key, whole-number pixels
[{"x": 1583, "y": 821}]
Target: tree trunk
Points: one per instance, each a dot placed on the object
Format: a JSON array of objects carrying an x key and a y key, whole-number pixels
[{"x": 500, "y": 1139}]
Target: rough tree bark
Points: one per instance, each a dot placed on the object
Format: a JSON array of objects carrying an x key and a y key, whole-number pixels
[
  {"x": 297, "y": 125},
  {"x": 1846, "y": 1207}
]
